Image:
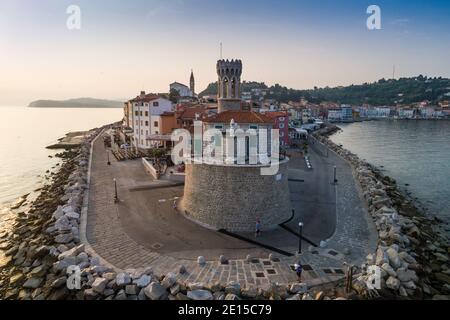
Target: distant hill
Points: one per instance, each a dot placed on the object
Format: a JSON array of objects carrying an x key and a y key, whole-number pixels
[
  {"x": 76, "y": 103},
  {"x": 382, "y": 92}
]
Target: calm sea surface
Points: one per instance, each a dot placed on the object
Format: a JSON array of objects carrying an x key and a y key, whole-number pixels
[
  {"x": 415, "y": 153},
  {"x": 25, "y": 132}
]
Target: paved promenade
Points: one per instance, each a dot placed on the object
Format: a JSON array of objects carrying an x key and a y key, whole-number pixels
[{"x": 144, "y": 230}]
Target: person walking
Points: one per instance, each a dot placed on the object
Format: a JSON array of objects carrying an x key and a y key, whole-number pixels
[
  {"x": 174, "y": 205},
  {"x": 298, "y": 269},
  {"x": 258, "y": 228}
]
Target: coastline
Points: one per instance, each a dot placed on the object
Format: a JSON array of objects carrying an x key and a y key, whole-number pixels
[
  {"x": 46, "y": 241},
  {"x": 413, "y": 247}
]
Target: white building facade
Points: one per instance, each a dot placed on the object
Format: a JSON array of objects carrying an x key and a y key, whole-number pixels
[
  {"x": 147, "y": 111},
  {"x": 182, "y": 89}
]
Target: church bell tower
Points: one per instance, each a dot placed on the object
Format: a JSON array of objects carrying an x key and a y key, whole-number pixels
[{"x": 192, "y": 83}]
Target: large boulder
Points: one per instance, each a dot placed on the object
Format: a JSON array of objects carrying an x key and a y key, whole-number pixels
[
  {"x": 33, "y": 283},
  {"x": 143, "y": 281},
  {"x": 123, "y": 279},
  {"x": 381, "y": 257},
  {"x": 200, "y": 295},
  {"x": 389, "y": 270},
  {"x": 394, "y": 259},
  {"x": 298, "y": 288},
  {"x": 406, "y": 275},
  {"x": 99, "y": 285},
  {"x": 169, "y": 280},
  {"x": 64, "y": 238},
  {"x": 155, "y": 291},
  {"x": 72, "y": 252},
  {"x": 233, "y": 287},
  {"x": 393, "y": 283}
]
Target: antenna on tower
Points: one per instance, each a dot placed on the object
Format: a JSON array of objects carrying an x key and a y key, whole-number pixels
[
  {"x": 221, "y": 51},
  {"x": 393, "y": 72}
]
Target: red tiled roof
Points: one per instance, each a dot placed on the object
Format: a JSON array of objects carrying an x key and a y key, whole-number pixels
[
  {"x": 147, "y": 98},
  {"x": 189, "y": 113},
  {"x": 277, "y": 114},
  {"x": 238, "y": 117}
]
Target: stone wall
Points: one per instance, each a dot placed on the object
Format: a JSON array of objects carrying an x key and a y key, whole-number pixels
[
  {"x": 234, "y": 197},
  {"x": 229, "y": 104}
]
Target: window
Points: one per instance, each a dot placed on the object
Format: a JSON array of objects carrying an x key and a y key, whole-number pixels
[
  {"x": 220, "y": 127},
  {"x": 141, "y": 114},
  {"x": 282, "y": 119},
  {"x": 142, "y": 132},
  {"x": 281, "y": 125},
  {"x": 142, "y": 123},
  {"x": 146, "y": 113},
  {"x": 156, "y": 124},
  {"x": 146, "y": 132},
  {"x": 136, "y": 113},
  {"x": 254, "y": 127},
  {"x": 282, "y": 134},
  {"x": 156, "y": 104},
  {"x": 156, "y": 132},
  {"x": 146, "y": 123},
  {"x": 137, "y": 122}
]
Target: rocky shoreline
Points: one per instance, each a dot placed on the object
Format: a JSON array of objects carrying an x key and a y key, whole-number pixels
[
  {"x": 44, "y": 244},
  {"x": 413, "y": 249}
]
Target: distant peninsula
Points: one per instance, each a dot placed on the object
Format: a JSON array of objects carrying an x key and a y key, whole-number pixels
[{"x": 76, "y": 103}]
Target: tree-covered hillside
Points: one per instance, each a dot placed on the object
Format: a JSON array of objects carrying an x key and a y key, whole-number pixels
[{"x": 382, "y": 92}]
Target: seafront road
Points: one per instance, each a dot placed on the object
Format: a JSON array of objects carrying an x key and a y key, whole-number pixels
[{"x": 143, "y": 229}]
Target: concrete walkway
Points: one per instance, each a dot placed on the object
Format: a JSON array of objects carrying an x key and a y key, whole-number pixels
[{"x": 144, "y": 230}]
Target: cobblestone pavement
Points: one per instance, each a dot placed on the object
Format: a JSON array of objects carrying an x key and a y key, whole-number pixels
[{"x": 109, "y": 236}]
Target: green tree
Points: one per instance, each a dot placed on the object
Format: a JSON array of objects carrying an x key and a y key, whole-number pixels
[{"x": 174, "y": 95}]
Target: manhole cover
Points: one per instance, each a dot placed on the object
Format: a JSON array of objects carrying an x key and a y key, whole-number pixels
[
  {"x": 157, "y": 246},
  {"x": 307, "y": 267},
  {"x": 339, "y": 271}
]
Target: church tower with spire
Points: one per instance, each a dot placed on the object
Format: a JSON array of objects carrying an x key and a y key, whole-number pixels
[{"x": 192, "y": 83}]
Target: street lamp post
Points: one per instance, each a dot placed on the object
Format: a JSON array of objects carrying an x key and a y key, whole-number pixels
[
  {"x": 109, "y": 162},
  {"x": 116, "y": 196},
  {"x": 300, "y": 229}
]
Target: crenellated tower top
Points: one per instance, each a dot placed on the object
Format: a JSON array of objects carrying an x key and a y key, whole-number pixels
[{"x": 229, "y": 84}]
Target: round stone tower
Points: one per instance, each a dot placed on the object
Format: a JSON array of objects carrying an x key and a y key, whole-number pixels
[
  {"x": 229, "y": 85},
  {"x": 228, "y": 195}
]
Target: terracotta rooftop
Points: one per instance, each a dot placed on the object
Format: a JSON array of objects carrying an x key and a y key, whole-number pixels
[
  {"x": 276, "y": 114},
  {"x": 147, "y": 98},
  {"x": 190, "y": 112},
  {"x": 238, "y": 117}
]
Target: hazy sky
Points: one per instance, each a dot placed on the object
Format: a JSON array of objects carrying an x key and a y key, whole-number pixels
[{"x": 126, "y": 46}]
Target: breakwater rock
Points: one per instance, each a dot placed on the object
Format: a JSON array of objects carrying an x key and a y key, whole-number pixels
[{"x": 413, "y": 249}]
